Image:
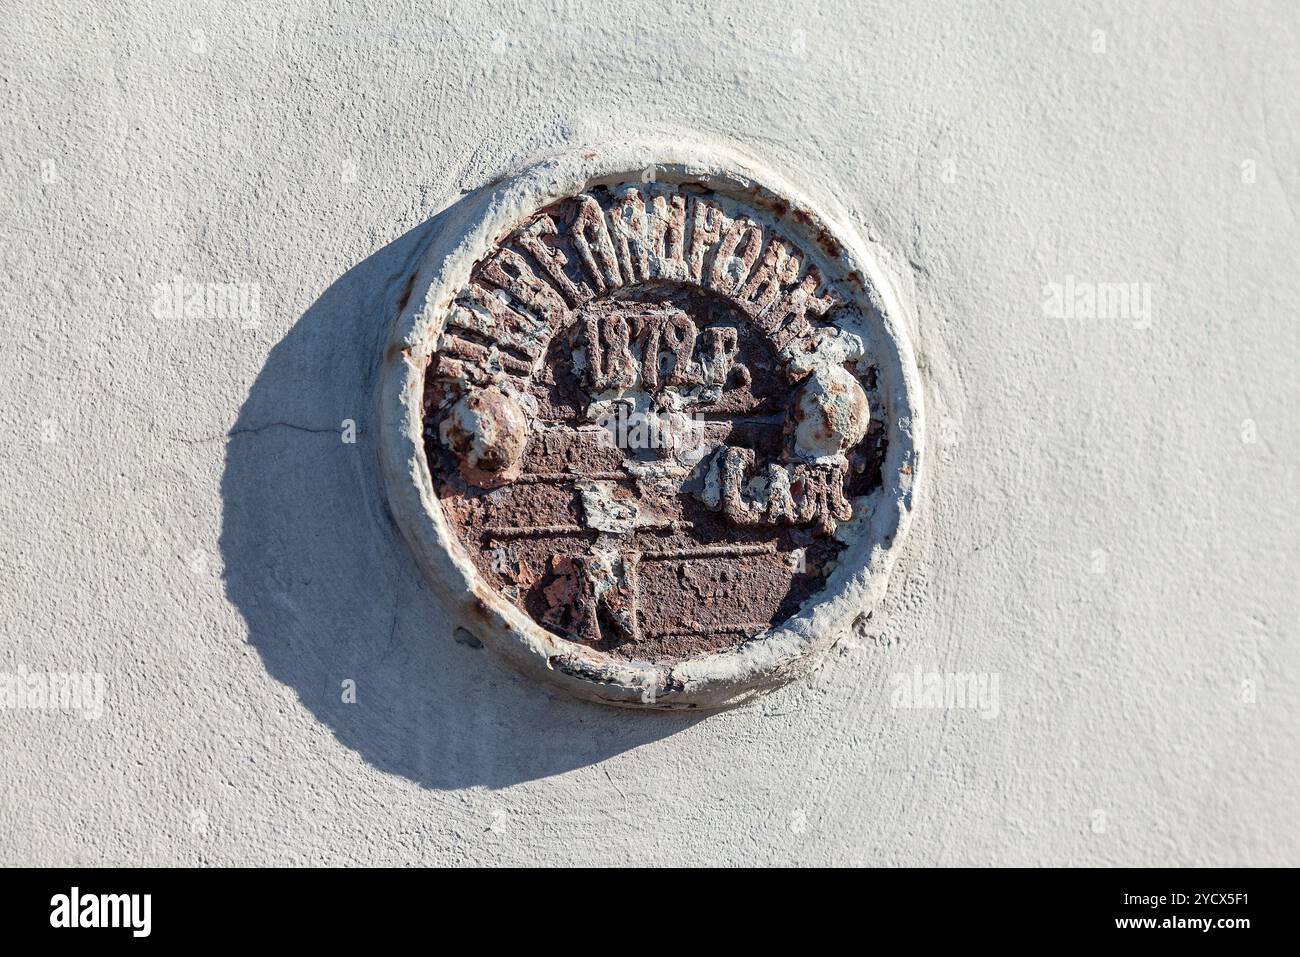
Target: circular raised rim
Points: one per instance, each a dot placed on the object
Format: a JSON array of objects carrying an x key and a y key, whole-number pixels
[{"x": 713, "y": 681}]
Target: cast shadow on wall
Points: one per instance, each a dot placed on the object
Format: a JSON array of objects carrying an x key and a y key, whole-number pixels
[{"x": 330, "y": 591}]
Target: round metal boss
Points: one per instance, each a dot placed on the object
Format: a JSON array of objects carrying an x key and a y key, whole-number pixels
[{"x": 651, "y": 424}]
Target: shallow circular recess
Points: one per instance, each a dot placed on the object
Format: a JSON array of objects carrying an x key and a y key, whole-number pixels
[{"x": 651, "y": 424}]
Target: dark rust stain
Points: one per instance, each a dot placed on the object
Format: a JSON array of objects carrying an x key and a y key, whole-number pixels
[{"x": 405, "y": 297}]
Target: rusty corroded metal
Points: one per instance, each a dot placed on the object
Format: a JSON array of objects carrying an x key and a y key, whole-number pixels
[
  {"x": 644, "y": 425},
  {"x": 652, "y": 427}
]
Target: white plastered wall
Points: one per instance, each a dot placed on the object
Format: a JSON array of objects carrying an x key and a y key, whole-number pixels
[{"x": 1109, "y": 523}]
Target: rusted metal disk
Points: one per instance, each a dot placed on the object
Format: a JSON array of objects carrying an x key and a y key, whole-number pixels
[{"x": 651, "y": 424}]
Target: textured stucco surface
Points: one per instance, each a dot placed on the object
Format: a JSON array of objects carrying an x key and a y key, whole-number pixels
[{"x": 1110, "y": 523}]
